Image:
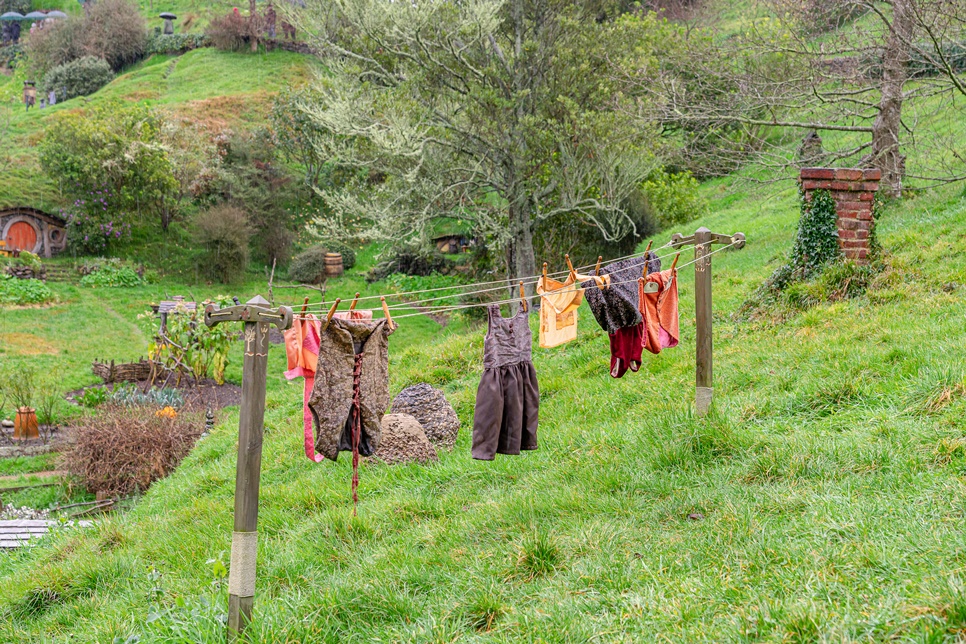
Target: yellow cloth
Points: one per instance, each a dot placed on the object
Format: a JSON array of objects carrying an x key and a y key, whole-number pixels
[{"x": 558, "y": 310}]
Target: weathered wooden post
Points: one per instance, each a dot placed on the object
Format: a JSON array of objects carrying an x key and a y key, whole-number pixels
[
  {"x": 702, "y": 240},
  {"x": 258, "y": 317}
]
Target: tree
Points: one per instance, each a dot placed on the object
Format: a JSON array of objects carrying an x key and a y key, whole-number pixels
[
  {"x": 500, "y": 112},
  {"x": 867, "y": 89},
  {"x": 114, "y": 149}
]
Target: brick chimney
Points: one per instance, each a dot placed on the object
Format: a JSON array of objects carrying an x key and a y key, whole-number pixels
[{"x": 853, "y": 191}]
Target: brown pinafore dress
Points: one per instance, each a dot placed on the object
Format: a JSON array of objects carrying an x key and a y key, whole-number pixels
[{"x": 508, "y": 398}]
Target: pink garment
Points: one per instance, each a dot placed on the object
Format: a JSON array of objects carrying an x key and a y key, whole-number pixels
[
  {"x": 302, "y": 348},
  {"x": 353, "y": 315}
]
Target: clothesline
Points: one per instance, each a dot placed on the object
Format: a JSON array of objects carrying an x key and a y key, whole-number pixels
[
  {"x": 504, "y": 283},
  {"x": 458, "y": 307},
  {"x": 442, "y": 308}
]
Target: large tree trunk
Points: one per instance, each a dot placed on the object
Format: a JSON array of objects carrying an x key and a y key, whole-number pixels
[
  {"x": 520, "y": 260},
  {"x": 895, "y": 72}
]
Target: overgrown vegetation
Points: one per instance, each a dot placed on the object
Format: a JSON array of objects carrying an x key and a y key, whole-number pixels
[
  {"x": 78, "y": 77},
  {"x": 21, "y": 292}
]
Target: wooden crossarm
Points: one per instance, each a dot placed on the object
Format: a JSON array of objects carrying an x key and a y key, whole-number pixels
[{"x": 255, "y": 310}]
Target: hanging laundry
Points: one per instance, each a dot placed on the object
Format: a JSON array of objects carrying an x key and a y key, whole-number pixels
[
  {"x": 659, "y": 311},
  {"x": 508, "y": 398},
  {"x": 558, "y": 310},
  {"x": 352, "y": 315},
  {"x": 626, "y": 346},
  {"x": 350, "y": 393},
  {"x": 617, "y": 307},
  {"x": 302, "y": 351}
]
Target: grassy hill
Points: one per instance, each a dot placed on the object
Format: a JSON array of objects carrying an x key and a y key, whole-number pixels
[
  {"x": 823, "y": 501},
  {"x": 221, "y": 88}
]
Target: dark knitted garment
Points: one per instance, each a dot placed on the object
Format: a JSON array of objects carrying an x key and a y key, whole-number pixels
[{"x": 617, "y": 307}]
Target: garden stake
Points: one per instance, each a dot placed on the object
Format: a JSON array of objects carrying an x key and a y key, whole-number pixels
[
  {"x": 258, "y": 317},
  {"x": 702, "y": 240}
]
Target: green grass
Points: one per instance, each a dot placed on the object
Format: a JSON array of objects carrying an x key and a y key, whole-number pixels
[
  {"x": 24, "y": 465},
  {"x": 829, "y": 481}
]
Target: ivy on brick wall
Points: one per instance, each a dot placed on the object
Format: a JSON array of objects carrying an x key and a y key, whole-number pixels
[{"x": 816, "y": 242}]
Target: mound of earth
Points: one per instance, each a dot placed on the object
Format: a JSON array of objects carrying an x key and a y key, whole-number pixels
[
  {"x": 403, "y": 441},
  {"x": 430, "y": 408}
]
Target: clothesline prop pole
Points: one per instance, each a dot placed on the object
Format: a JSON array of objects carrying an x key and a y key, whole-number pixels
[
  {"x": 258, "y": 316},
  {"x": 702, "y": 240}
]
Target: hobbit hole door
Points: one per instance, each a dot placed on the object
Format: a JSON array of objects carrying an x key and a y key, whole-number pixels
[{"x": 22, "y": 236}]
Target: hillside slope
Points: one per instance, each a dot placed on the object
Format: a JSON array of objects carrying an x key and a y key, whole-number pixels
[
  {"x": 824, "y": 500},
  {"x": 220, "y": 88}
]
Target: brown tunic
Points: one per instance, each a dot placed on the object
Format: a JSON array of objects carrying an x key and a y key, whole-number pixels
[{"x": 332, "y": 391}]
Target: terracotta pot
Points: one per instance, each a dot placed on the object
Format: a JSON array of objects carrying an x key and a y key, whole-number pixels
[{"x": 25, "y": 424}]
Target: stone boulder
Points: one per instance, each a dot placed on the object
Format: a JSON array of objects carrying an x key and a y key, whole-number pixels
[
  {"x": 429, "y": 406},
  {"x": 403, "y": 441}
]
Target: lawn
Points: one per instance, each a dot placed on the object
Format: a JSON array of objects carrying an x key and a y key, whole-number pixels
[{"x": 822, "y": 501}]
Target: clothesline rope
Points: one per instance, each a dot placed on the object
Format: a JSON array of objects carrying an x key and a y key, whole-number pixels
[
  {"x": 442, "y": 308},
  {"x": 438, "y": 310},
  {"x": 504, "y": 283}
]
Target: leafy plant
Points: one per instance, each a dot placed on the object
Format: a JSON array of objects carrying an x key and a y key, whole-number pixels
[
  {"x": 176, "y": 43},
  {"x": 129, "y": 395},
  {"x": 48, "y": 398},
  {"x": 92, "y": 397},
  {"x": 189, "y": 345},
  {"x": 673, "y": 198},
  {"x": 223, "y": 232},
  {"x": 79, "y": 77},
  {"x": 21, "y": 385},
  {"x": 308, "y": 266},
  {"x": 20, "y": 292},
  {"x": 112, "y": 277}
]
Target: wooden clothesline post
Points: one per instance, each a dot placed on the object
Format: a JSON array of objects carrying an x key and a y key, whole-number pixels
[
  {"x": 258, "y": 316},
  {"x": 702, "y": 240}
]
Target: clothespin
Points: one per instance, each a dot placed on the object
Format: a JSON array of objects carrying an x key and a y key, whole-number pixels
[
  {"x": 545, "y": 274},
  {"x": 385, "y": 310},
  {"x": 328, "y": 316},
  {"x": 597, "y": 268},
  {"x": 646, "y": 263},
  {"x": 675, "y": 262},
  {"x": 305, "y": 305},
  {"x": 523, "y": 297},
  {"x": 570, "y": 267},
  {"x": 355, "y": 301}
]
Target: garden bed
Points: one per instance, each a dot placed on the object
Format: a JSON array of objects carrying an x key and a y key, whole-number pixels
[{"x": 200, "y": 396}]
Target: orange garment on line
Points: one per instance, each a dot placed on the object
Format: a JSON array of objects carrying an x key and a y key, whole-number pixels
[
  {"x": 558, "y": 310},
  {"x": 660, "y": 311},
  {"x": 302, "y": 351}
]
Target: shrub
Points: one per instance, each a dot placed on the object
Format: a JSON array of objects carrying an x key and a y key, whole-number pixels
[
  {"x": 122, "y": 450},
  {"x": 19, "y": 292},
  {"x": 80, "y": 77},
  {"x": 56, "y": 44},
  {"x": 229, "y": 32},
  {"x": 112, "y": 277},
  {"x": 673, "y": 198},
  {"x": 223, "y": 232},
  {"x": 115, "y": 31},
  {"x": 192, "y": 344},
  {"x": 308, "y": 266},
  {"x": 11, "y": 56},
  {"x": 176, "y": 43}
]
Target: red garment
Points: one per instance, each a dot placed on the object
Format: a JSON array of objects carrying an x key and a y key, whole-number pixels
[{"x": 625, "y": 350}]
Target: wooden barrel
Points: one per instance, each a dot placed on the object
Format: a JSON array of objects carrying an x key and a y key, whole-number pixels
[{"x": 333, "y": 264}]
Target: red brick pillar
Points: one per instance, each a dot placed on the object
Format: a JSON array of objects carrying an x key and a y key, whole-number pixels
[{"x": 853, "y": 191}]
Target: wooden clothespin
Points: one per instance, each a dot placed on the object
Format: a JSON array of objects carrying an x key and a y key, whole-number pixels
[
  {"x": 385, "y": 311},
  {"x": 355, "y": 301},
  {"x": 545, "y": 274},
  {"x": 305, "y": 305},
  {"x": 328, "y": 316},
  {"x": 646, "y": 263},
  {"x": 570, "y": 267},
  {"x": 597, "y": 268},
  {"x": 523, "y": 297},
  {"x": 675, "y": 262}
]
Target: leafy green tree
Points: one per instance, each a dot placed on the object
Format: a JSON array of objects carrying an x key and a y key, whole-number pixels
[
  {"x": 508, "y": 112},
  {"x": 114, "y": 148}
]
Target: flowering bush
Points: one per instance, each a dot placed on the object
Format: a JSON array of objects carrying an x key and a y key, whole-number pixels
[{"x": 91, "y": 224}]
